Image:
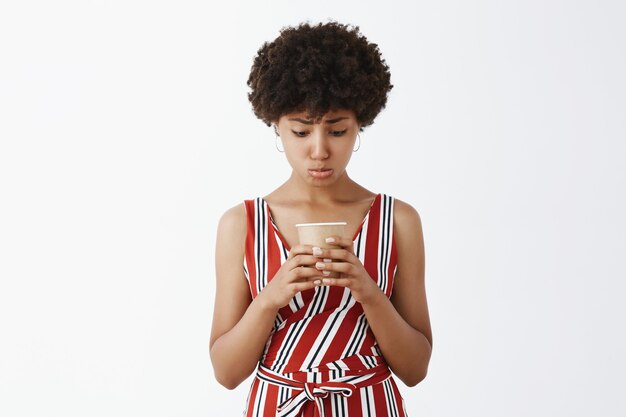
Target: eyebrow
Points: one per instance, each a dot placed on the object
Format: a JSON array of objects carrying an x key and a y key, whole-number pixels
[{"x": 310, "y": 122}]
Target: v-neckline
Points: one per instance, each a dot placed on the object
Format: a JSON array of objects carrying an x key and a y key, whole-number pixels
[{"x": 287, "y": 246}]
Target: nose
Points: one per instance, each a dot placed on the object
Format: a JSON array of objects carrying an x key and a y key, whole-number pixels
[{"x": 319, "y": 147}]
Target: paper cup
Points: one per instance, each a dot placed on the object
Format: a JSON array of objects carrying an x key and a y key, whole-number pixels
[{"x": 315, "y": 234}]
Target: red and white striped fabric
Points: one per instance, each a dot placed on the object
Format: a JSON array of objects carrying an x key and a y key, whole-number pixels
[{"x": 321, "y": 359}]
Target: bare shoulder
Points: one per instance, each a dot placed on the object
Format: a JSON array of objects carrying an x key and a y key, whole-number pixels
[
  {"x": 407, "y": 216},
  {"x": 233, "y": 223},
  {"x": 230, "y": 241},
  {"x": 409, "y": 240},
  {"x": 234, "y": 215}
]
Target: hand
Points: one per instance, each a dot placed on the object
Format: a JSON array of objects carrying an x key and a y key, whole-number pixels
[
  {"x": 295, "y": 275},
  {"x": 353, "y": 274}
]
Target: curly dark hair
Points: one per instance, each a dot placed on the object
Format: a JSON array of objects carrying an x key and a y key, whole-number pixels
[{"x": 328, "y": 66}]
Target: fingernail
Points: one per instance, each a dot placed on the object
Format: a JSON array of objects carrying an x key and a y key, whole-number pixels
[
  {"x": 319, "y": 265},
  {"x": 317, "y": 251},
  {"x": 327, "y": 273},
  {"x": 327, "y": 260},
  {"x": 326, "y": 280},
  {"x": 317, "y": 282},
  {"x": 330, "y": 239}
]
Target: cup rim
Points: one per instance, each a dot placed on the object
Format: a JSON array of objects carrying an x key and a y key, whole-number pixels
[{"x": 322, "y": 224}]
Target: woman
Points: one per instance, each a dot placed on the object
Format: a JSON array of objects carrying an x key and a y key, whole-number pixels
[{"x": 320, "y": 346}]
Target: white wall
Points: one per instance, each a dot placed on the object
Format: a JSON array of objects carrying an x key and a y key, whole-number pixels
[{"x": 125, "y": 132}]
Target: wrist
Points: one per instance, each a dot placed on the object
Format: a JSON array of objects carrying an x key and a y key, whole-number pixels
[
  {"x": 265, "y": 303},
  {"x": 377, "y": 299}
]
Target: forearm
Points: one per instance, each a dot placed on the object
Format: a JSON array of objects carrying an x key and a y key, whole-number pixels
[
  {"x": 235, "y": 354},
  {"x": 406, "y": 350}
]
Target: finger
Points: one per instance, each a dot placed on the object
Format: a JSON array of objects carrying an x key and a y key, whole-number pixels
[
  {"x": 337, "y": 282},
  {"x": 302, "y": 260},
  {"x": 302, "y": 274},
  {"x": 306, "y": 285},
  {"x": 341, "y": 241},
  {"x": 300, "y": 249},
  {"x": 337, "y": 254},
  {"x": 317, "y": 277},
  {"x": 342, "y": 267}
]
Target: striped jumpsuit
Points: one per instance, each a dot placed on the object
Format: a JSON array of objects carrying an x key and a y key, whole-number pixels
[{"x": 321, "y": 358}]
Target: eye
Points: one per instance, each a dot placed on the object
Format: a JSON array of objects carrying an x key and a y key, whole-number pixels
[
  {"x": 338, "y": 132},
  {"x": 299, "y": 134}
]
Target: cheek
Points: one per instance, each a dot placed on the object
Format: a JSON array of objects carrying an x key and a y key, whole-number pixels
[
  {"x": 289, "y": 158},
  {"x": 347, "y": 159},
  {"x": 294, "y": 156}
]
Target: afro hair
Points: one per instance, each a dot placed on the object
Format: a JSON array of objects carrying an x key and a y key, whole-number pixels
[{"x": 318, "y": 68}]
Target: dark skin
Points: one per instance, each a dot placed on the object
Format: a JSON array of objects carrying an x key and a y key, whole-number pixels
[{"x": 241, "y": 326}]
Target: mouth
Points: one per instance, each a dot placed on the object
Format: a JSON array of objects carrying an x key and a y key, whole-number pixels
[{"x": 321, "y": 172}]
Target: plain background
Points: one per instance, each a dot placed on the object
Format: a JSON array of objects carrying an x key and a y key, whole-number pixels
[{"x": 126, "y": 132}]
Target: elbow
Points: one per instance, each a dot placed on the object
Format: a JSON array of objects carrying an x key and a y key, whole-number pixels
[
  {"x": 417, "y": 373},
  {"x": 226, "y": 378},
  {"x": 414, "y": 378},
  {"x": 413, "y": 381},
  {"x": 226, "y": 382}
]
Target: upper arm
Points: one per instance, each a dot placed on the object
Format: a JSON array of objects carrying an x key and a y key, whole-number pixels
[
  {"x": 232, "y": 293},
  {"x": 409, "y": 290}
]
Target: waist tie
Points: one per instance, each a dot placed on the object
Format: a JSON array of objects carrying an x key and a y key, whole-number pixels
[{"x": 315, "y": 391}]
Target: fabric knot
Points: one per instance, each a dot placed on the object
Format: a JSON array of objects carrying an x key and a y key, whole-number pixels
[
  {"x": 312, "y": 390},
  {"x": 315, "y": 391}
]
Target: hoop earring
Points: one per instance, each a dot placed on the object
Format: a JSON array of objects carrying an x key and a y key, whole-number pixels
[
  {"x": 358, "y": 136},
  {"x": 276, "y": 144}
]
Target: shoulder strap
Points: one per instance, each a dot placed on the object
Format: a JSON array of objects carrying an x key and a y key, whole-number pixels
[{"x": 256, "y": 244}]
